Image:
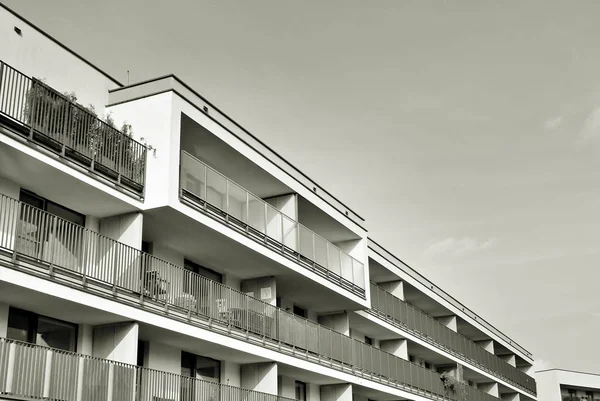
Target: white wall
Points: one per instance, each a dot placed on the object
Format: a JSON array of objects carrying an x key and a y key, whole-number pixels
[
  {"x": 117, "y": 342},
  {"x": 511, "y": 359},
  {"x": 3, "y": 319},
  {"x": 85, "y": 339},
  {"x": 489, "y": 388},
  {"x": 336, "y": 392},
  {"x": 487, "y": 345},
  {"x": 398, "y": 347},
  {"x": 449, "y": 321},
  {"x": 34, "y": 54},
  {"x": 152, "y": 119},
  {"x": 163, "y": 357},
  {"x": 263, "y": 288},
  {"x": 338, "y": 321},
  {"x": 260, "y": 377},
  {"x": 396, "y": 288},
  {"x": 231, "y": 373},
  {"x": 287, "y": 204},
  {"x": 287, "y": 387},
  {"x": 125, "y": 228}
]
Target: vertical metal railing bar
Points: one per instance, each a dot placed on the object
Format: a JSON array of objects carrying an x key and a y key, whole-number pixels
[
  {"x": 230, "y": 304},
  {"x": 34, "y": 104},
  {"x": 457, "y": 343}
]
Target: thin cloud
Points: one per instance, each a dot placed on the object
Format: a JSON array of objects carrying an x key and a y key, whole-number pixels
[
  {"x": 458, "y": 246},
  {"x": 553, "y": 123},
  {"x": 591, "y": 125}
]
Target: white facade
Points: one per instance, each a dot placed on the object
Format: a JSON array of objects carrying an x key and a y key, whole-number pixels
[
  {"x": 561, "y": 385},
  {"x": 204, "y": 265}
]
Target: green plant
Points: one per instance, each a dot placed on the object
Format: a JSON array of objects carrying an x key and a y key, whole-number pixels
[
  {"x": 61, "y": 118},
  {"x": 453, "y": 387}
]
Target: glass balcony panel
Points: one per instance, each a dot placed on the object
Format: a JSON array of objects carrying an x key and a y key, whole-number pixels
[
  {"x": 256, "y": 214},
  {"x": 333, "y": 254},
  {"x": 237, "y": 206},
  {"x": 321, "y": 252},
  {"x": 306, "y": 242},
  {"x": 346, "y": 266},
  {"x": 290, "y": 233},
  {"x": 274, "y": 224},
  {"x": 193, "y": 176},
  {"x": 216, "y": 189}
]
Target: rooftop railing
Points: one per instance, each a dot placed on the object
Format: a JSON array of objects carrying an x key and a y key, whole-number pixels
[
  {"x": 43, "y": 244},
  {"x": 49, "y": 119},
  {"x": 404, "y": 315},
  {"x": 34, "y": 372},
  {"x": 231, "y": 203}
]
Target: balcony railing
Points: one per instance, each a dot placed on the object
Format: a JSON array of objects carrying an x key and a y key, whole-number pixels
[
  {"x": 34, "y": 372},
  {"x": 402, "y": 314},
  {"x": 47, "y": 118},
  {"x": 214, "y": 193},
  {"x": 43, "y": 244}
]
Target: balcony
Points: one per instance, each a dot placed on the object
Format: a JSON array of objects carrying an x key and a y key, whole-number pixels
[
  {"x": 33, "y": 372},
  {"x": 40, "y": 243},
  {"x": 405, "y": 316},
  {"x": 207, "y": 190},
  {"x": 46, "y": 118}
]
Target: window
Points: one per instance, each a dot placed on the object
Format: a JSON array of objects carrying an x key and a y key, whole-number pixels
[
  {"x": 300, "y": 391},
  {"x": 298, "y": 311},
  {"x": 41, "y": 330},
  {"x": 32, "y": 199},
  {"x": 203, "y": 271},
  {"x": 200, "y": 367},
  {"x": 368, "y": 340}
]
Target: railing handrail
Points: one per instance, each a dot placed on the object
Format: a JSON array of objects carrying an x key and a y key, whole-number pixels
[
  {"x": 4, "y": 340},
  {"x": 445, "y": 295},
  {"x": 241, "y": 294},
  {"x": 46, "y": 117},
  {"x": 448, "y": 330},
  {"x": 267, "y": 203},
  {"x": 81, "y": 107}
]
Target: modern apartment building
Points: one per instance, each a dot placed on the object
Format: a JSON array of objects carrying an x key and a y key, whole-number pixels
[
  {"x": 189, "y": 261},
  {"x": 568, "y": 385}
]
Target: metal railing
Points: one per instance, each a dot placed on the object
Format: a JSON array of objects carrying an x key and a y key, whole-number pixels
[
  {"x": 57, "y": 249},
  {"x": 404, "y": 315},
  {"x": 33, "y": 371},
  {"x": 50, "y": 119},
  {"x": 234, "y": 204}
]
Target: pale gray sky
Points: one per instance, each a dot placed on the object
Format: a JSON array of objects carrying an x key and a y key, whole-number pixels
[{"x": 466, "y": 133}]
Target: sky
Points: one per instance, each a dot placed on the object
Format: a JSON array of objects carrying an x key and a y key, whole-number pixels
[{"x": 466, "y": 133}]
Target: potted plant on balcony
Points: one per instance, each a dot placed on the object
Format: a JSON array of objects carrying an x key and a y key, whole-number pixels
[{"x": 453, "y": 387}]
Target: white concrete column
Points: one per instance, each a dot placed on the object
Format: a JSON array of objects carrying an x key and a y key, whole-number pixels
[
  {"x": 336, "y": 392},
  {"x": 117, "y": 342},
  {"x": 313, "y": 392},
  {"x": 85, "y": 339},
  {"x": 231, "y": 373},
  {"x": 125, "y": 228},
  {"x": 397, "y": 348},
  {"x": 449, "y": 321},
  {"x": 164, "y": 357},
  {"x": 510, "y": 397},
  {"x": 263, "y": 288},
  {"x": 260, "y": 377},
  {"x": 92, "y": 223},
  {"x": 3, "y": 319},
  {"x": 396, "y": 288},
  {"x": 287, "y": 387},
  {"x": 337, "y": 321},
  {"x": 511, "y": 359},
  {"x": 489, "y": 388},
  {"x": 487, "y": 345},
  {"x": 287, "y": 204},
  {"x": 528, "y": 369}
]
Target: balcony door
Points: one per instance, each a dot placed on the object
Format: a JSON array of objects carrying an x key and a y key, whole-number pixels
[{"x": 42, "y": 236}]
